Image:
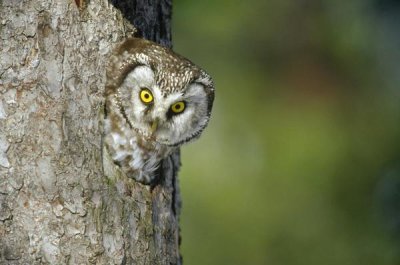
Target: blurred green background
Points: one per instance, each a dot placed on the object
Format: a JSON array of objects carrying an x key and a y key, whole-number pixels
[{"x": 300, "y": 162}]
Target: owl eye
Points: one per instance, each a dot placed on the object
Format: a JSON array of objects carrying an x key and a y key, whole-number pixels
[
  {"x": 178, "y": 107},
  {"x": 146, "y": 96}
]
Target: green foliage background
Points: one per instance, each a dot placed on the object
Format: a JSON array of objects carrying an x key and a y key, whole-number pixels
[{"x": 304, "y": 128}]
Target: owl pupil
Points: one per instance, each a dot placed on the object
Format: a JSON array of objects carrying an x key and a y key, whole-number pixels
[
  {"x": 146, "y": 95},
  {"x": 178, "y": 106}
]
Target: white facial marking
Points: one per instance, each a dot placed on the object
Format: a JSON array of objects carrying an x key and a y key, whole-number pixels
[{"x": 172, "y": 128}]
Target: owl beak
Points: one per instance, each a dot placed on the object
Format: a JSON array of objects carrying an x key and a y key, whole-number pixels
[{"x": 154, "y": 125}]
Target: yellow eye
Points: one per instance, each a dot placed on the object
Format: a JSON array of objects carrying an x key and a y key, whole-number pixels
[
  {"x": 145, "y": 96},
  {"x": 178, "y": 107}
]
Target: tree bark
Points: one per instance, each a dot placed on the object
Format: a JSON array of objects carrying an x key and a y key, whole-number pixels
[{"x": 62, "y": 201}]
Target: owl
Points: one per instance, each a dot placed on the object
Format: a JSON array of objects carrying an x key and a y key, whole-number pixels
[{"x": 156, "y": 100}]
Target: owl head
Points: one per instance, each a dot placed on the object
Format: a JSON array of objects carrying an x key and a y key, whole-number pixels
[{"x": 160, "y": 95}]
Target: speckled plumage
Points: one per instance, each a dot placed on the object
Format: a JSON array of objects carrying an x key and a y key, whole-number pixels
[{"x": 139, "y": 135}]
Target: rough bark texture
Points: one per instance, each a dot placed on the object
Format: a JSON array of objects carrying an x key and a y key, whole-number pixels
[{"x": 61, "y": 200}]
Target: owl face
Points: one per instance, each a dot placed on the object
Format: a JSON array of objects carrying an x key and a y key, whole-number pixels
[
  {"x": 169, "y": 118},
  {"x": 159, "y": 94}
]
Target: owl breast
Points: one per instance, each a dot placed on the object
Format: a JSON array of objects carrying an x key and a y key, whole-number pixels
[
  {"x": 138, "y": 157},
  {"x": 156, "y": 100}
]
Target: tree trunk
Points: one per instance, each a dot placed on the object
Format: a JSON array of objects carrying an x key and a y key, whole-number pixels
[{"x": 61, "y": 200}]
